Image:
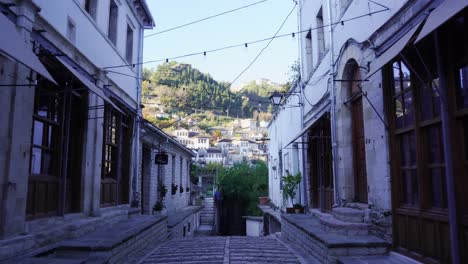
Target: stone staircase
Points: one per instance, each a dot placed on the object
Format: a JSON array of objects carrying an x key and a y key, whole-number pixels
[
  {"x": 207, "y": 220},
  {"x": 208, "y": 212},
  {"x": 341, "y": 236}
]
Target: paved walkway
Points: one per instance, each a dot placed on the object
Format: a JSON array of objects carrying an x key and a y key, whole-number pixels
[{"x": 223, "y": 250}]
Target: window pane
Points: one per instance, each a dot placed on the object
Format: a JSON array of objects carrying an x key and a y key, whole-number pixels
[
  {"x": 38, "y": 133},
  {"x": 398, "y": 112},
  {"x": 434, "y": 144},
  {"x": 404, "y": 151},
  {"x": 465, "y": 137},
  {"x": 36, "y": 159},
  {"x": 408, "y": 99},
  {"x": 412, "y": 148},
  {"x": 462, "y": 91},
  {"x": 406, "y": 76},
  {"x": 426, "y": 101},
  {"x": 406, "y": 187},
  {"x": 47, "y": 160},
  {"x": 438, "y": 188},
  {"x": 396, "y": 78},
  {"x": 436, "y": 97}
]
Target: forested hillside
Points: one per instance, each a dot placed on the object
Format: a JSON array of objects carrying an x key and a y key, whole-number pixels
[{"x": 178, "y": 89}]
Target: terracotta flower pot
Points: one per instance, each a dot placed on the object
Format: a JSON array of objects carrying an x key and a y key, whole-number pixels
[{"x": 263, "y": 200}]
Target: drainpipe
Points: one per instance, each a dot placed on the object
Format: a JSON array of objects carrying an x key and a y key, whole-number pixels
[
  {"x": 333, "y": 109},
  {"x": 449, "y": 172},
  {"x": 301, "y": 87},
  {"x": 138, "y": 118},
  {"x": 305, "y": 201}
]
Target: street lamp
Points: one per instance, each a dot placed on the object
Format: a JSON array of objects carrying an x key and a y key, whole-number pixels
[{"x": 276, "y": 98}]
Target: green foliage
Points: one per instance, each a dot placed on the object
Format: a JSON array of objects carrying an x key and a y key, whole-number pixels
[
  {"x": 158, "y": 206},
  {"x": 174, "y": 189},
  {"x": 245, "y": 183},
  {"x": 162, "y": 191},
  {"x": 290, "y": 183},
  {"x": 178, "y": 88}
]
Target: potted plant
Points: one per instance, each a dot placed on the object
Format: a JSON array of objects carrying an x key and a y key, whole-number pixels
[
  {"x": 157, "y": 208},
  {"x": 263, "y": 200},
  {"x": 298, "y": 208},
  {"x": 181, "y": 189},
  {"x": 290, "y": 183},
  {"x": 162, "y": 191},
  {"x": 187, "y": 189},
  {"x": 174, "y": 189}
]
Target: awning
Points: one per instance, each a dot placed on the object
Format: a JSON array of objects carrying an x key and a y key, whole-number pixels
[
  {"x": 91, "y": 86},
  {"x": 319, "y": 114},
  {"x": 14, "y": 46},
  {"x": 393, "y": 51},
  {"x": 440, "y": 15}
]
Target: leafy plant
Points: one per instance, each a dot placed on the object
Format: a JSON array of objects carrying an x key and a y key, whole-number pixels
[
  {"x": 297, "y": 206},
  {"x": 187, "y": 189},
  {"x": 290, "y": 183},
  {"x": 174, "y": 189},
  {"x": 244, "y": 182},
  {"x": 181, "y": 189},
  {"x": 162, "y": 191},
  {"x": 158, "y": 206}
]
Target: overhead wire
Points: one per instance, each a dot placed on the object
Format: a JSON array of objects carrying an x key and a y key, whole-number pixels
[
  {"x": 205, "y": 52},
  {"x": 242, "y": 72},
  {"x": 206, "y": 18}
]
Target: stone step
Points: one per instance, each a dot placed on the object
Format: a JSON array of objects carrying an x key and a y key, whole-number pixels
[
  {"x": 392, "y": 258},
  {"x": 348, "y": 214},
  {"x": 307, "y": 231},
  {"x": 333, "y": 225},
  {"x": 360, "y": 206}
]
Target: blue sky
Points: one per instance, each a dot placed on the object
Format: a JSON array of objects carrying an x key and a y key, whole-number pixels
[{"x": 256, "y": 22}]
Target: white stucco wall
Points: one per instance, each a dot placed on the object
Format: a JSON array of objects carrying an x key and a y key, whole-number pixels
[
  {"x": 284, "y": 127},
  {"x": 91, "y": 34}
]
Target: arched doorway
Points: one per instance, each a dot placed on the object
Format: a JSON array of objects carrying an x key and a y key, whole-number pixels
[{"x": 354, "y": 102}]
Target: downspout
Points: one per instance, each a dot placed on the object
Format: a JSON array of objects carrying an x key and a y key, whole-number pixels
[
  {"x": 305, "y": 201},
  {"x": 138, "y": 118},
  {"x": 333, "y": 109}
]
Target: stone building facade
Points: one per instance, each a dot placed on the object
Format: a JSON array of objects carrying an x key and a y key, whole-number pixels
[
  {"x": 68, "y": 143},
  {"x": 174, "y": 176},
  {"x": 383, "y": 93}
]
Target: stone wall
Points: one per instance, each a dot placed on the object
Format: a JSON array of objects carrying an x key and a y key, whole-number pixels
[
  {"x": 184, "y": 228},
  {"x": 176, "y": 171}
]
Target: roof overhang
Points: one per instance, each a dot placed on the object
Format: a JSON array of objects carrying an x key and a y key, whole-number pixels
[
  {"x": 393, "y": 50},
  {"x": 14, "y": 46},
  {"x": 443, "y": 13},
  {"x": 90, "y": 85},
  {"x": 143, "y": 11}
]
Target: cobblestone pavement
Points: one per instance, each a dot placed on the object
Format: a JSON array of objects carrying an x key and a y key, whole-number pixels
[{"x": 230, "y": 250}]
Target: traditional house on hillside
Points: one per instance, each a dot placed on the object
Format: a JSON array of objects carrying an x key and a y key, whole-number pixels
[
  {"x": 382, "y": 110},
  {"x": 69, "y": 134}
]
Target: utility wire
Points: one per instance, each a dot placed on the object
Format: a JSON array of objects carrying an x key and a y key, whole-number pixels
[
  {"x": 206, "y": 18},
  {"x": 240, "y": 74},
  {"x": 204, "y": 53}
]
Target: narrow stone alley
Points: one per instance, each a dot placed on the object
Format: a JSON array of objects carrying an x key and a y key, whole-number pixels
[{"x": 224, "y": 250}]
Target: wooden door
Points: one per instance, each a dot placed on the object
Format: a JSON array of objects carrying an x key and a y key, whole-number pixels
[
  {"x": 75, "y": 122},
  {"x": 44, "y": 183},
  {"x": 116, "y": 158},
  {"x": 321, "y": 172},
  {"x": 358, "y": 141}
]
